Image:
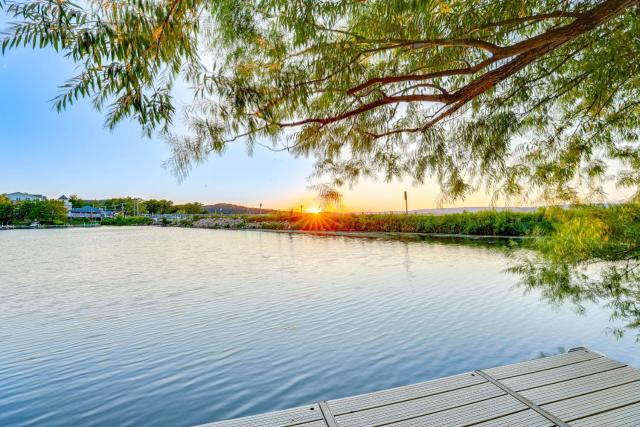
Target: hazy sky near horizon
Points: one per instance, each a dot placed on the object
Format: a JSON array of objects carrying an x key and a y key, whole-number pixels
[
  {"x": 71, "y": 152},
  {"x": 46, "y": 152}
]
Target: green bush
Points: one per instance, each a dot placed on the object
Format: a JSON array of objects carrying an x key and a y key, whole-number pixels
[
  {"x": 127, "y": 220},
  {"x": 273, "y": 225},
  {"x": 485, "y": 223}
]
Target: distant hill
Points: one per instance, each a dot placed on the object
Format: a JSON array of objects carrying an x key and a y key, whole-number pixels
[{"x": 228, "y": 208}]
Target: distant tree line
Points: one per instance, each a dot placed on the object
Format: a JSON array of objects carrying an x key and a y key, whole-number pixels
[
  {"x": 129, "y": 205},
  {"x": 54, "y": 212},
  {"x": 46, "y": 212},
  {"x": 166, "y": 206}
]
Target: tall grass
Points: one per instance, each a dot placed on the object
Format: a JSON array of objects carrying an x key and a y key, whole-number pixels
[
  {"x": 486, "y": 223},
  {"x": 127, "y": 220}
]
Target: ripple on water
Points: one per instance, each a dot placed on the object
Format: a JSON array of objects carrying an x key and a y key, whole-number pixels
[{"x": 146, "y": 326}]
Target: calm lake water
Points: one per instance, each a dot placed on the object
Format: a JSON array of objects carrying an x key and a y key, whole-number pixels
[{"x": 153, "y": 326}]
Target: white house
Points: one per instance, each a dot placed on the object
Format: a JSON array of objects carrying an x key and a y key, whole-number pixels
[
  {"x": 66, "y": 202},
  {"x": 20, "y": 197}
]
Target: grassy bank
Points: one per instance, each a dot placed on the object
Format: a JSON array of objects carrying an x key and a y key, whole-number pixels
[
  {"x": 542, "y": 222},
  {"x": 127, "y": 220},
  {"x": 488, "y": 223}
]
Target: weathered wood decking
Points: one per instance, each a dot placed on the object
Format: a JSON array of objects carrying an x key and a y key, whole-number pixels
[{"x": 578, "y": 388}]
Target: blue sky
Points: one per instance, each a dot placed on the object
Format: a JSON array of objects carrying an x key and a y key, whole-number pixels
[
  {"x": 71, "y": 152},
  {"x": 46, "y": 152}
]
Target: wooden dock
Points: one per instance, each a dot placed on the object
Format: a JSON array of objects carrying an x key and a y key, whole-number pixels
[{"x": 579, "y": 388}]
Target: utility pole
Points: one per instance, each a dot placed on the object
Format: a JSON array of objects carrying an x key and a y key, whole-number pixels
[
  {"x": 260, "y": 207},
  {"x": 406, "y": 204}
]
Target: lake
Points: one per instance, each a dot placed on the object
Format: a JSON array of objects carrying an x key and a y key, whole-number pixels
[{"x": 165, "y": 326}]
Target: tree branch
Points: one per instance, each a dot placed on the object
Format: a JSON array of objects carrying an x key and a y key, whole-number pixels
[
  {"x": 538, "y": 45},
  {"x": 429, "y": 76},
  {"x": 532, "y": 18},
  {"x": 445, "y": 99}
]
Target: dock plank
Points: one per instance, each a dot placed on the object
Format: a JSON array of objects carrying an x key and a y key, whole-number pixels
[
  {"x": 580, "y": 388},
  {"x": 627, "y": 416},
  {"x": 304, "y": 416},
  {"x": 541, "y": 364},
  {"x": 419, "y": 407},
  {"x": 399, "y": 394},
  {"x": 528, "y": 418},
  {"x": 469, "y": 414},
  {"x": 583, "y": 385},
  {"x": 595, "y": 403},
  {"x": 559, "y": 374}
]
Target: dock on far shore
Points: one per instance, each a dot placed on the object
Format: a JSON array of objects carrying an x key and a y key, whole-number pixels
[
  {"x": 42, "y": 226},
  {"x": 579, "y": 388}
]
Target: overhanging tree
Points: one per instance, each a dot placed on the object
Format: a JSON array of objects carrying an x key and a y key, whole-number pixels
[
  {"x": 593, "y": 256},
  {"x": 520, "y": 96}
]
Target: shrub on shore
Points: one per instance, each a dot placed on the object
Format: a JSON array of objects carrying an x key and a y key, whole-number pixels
[
  {"x": 485, "y": 223},
  {"x": 127, "y": 220},
  {"x": 268, "y": 225}
]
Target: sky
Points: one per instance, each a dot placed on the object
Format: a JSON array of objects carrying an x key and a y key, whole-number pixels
[{"x": 71, "y": 152}]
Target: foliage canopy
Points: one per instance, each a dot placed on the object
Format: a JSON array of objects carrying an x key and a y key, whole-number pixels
[
  {"x": 24, "y": 212},
  {"x": 517, "y": 96}
]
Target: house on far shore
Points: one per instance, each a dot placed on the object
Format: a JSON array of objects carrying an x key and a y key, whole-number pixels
[
  {"x": 90, "y": 212},
  {"x": 21, "y": 197},
  {"x": 66, "y": 202}
]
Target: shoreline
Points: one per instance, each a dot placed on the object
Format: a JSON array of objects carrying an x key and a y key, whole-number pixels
[
  {"x": 47, "y": 226},
  {"x": 377, "y": 234},
  {"x": 359, "y": 234}
]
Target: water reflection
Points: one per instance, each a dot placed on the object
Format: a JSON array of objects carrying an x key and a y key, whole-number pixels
[
  {"x": 147, "y": 326},
  {"x": 614, "y": 286}
]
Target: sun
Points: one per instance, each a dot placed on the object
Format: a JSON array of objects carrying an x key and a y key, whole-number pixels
[{"x": 314, "y": 210}]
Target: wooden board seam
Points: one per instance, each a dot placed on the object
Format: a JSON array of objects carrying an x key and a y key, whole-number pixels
[
  {"x": 329, "y": 419},
  {"x": 395, "y": 402},
  {"x": 546, "y": 369},
  {"x": 557, "y": 421},
  {"x": 604, "y": 411}
]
